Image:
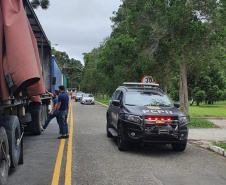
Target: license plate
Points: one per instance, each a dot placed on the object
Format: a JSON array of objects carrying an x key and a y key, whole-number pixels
[{"x": 160, "y": 122}]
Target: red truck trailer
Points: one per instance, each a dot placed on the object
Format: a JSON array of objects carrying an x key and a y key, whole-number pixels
[{"x": 25, "y": 73}]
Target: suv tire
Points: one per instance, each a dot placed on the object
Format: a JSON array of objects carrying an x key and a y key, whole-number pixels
[
  {"x": 180, "y": 147},
  {"x": 122, "y": 144}
]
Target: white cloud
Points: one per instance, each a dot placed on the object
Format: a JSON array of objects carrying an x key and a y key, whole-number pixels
[{"x": 77, "y": 25}]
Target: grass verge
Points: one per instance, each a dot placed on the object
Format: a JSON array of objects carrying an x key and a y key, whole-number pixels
[
  {"x": 220, "y": 144},
  {"x": 215, "y": 110},
  {"x": 201, "y": 123},
  {"x": 104, "y": 101}
]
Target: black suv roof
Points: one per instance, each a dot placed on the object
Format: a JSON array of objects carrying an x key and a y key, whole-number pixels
[{"x": 140, "y": 89}]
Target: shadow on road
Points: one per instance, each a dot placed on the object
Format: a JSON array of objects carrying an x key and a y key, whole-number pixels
[{"x": 150, "y": 149}]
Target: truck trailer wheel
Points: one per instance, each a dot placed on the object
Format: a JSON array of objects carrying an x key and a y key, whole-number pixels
[
  {"x": 4, "y": 156},
  {"x": 36, "y": 122},
  {"x": 21, "y": 159},
  {"x": 12, "y": 126}
]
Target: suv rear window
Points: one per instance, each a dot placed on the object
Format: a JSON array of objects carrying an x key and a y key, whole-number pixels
[{"x": 147, "y": 99}]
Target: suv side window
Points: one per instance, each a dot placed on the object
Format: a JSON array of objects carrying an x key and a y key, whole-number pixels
[
  {"x": 117, "y": 95},
  {"x": 121, "y": 97}
]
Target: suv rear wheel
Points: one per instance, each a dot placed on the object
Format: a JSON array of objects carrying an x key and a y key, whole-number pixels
[{"x": 122, "y": 144}]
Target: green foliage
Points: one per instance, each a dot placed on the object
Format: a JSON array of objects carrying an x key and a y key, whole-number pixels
[
  {"x": 220, "y": 144},
  {"x": 175, "y": 95},
  {"x": 195, "y": 90},
  {"x": 205, "y": 83},
  {"x": 216, "y": 110},
  {"x": 153, "y": 38},
  {"x": 200, "y": 123},
  {"x": 200, "y": 96}
]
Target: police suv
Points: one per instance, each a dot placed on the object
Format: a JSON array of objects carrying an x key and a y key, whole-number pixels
[{"x": 140, "y": 113}]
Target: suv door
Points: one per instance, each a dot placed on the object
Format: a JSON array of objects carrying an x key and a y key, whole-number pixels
[{"x": 116, "y": 109}]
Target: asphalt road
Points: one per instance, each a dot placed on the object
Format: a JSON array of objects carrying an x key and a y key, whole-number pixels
[{"x": 96, "y": 159}]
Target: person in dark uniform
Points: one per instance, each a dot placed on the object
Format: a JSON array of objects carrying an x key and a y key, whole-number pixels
[
  {"x": 54, "y": 113},
  {"x": 62, "y": 106}
]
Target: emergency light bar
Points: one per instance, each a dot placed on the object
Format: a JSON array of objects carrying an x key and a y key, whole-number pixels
[{"x": 140, "y": 84}]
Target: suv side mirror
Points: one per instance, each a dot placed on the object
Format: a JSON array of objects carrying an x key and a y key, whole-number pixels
[
  {"x": 177, "y": 105},
  {"x": 116, "y": 102}
]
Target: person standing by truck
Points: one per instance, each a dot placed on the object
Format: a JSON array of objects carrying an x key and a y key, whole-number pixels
[
  {"x": 54, "y": 113},
  {"x": 62, "y": 106}
]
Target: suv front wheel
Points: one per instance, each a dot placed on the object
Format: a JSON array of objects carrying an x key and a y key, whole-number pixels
[
  {"x": 122, "y": 144},
  {"x": 180, "y": 147}
]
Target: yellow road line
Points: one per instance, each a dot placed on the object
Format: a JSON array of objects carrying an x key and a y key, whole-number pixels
[
  {"x": 56, "y": 174},
  {"x": 69, "y": 152}
]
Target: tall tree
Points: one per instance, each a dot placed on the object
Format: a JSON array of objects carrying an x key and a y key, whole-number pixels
[{"x": 164, "y": 38}]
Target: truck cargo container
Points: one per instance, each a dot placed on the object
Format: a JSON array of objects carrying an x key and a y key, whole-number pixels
[
  {"x": 57, "y": 75},
  {"x": 25, "y": 73}
]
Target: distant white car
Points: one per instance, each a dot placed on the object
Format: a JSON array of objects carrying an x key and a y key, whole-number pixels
[
  {"x": 78, "y": 96},
  {"x": 87, "y": 99}
]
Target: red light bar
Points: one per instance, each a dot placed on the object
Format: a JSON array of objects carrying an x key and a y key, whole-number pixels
[{"x": 159, "y": 118}]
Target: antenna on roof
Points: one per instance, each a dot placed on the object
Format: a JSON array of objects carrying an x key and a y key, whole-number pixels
[{"x": 140, "y": 84}]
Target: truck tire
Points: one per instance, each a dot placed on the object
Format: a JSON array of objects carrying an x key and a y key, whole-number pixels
[
  {"x": 21, "y": 159},
  {"x": 122, "y": 144},
  {"x": 4, "y": 149},
  {"x": 180, "y": 147},
  {"x": 36, "y": 122},
  {"x": 12, "y": 126}
]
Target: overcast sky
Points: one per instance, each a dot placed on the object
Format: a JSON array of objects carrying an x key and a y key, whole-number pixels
[{"x": 77, "y": 26}]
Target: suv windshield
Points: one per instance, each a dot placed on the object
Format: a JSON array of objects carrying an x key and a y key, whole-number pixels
[
  {"x": 79, "y": 94},
  {"x": 147, "y": 99},
  {"x": 87, "y": 95}
]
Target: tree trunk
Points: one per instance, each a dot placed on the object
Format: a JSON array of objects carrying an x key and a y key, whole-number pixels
[{"x": 183, "y": 93}]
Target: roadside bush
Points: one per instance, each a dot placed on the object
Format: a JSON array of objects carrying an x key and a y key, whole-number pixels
[
  {"x": 220, "y": 95},
  {"x": 224, "y": 95},
  {"x": 175, "y": 95},
  {"x": 199, "y": 97},
  {"x": 195, "y": 90}
]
